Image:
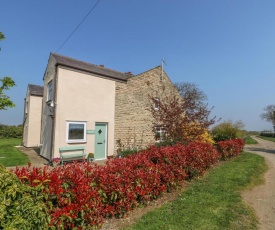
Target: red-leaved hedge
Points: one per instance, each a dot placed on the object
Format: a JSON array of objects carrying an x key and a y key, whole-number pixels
[
  {"x": 81, "y": 195},
  {"x": 230, "y": 148}
]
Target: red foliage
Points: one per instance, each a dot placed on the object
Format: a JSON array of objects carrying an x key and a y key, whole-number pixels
[
  {"x": 72, "y": 199},
  {"x": 183, "y": 118},
  {"x": 230, "y": 148},
  {"x": 81, "y": 195}
]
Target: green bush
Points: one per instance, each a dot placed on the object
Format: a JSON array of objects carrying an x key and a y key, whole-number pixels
[
  {"x": 127, "y": 152},
  {"x": 222, "y": 137},
  {"x": 21, "y": 206},
  {"x": 227, "y": 130},
  {"x": 165, "y": 143},
  {"x": 7, "y": 131}
]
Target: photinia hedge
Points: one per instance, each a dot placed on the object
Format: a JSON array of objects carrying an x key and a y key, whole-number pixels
[
  {"x": 81, "y": 195},
  {"x": 230, "y": 148}
]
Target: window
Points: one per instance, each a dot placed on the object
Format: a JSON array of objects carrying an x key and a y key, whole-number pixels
[
  {"x": 50, "y": 91},
  {"x": 27, "y": 107},
  {"x": 76, "y": 132},
  {"x": 160, "y": 133},
  {"x": 156, "y": 103}
]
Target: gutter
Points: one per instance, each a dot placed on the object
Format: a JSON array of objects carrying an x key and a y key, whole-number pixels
[{"x": 24, "y": 121}]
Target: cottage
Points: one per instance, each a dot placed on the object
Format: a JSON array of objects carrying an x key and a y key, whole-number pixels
[
  {"x": 32, "y": 116},
  {"x": 93, "y": 109},
  {"x": 78, "y": 107}
]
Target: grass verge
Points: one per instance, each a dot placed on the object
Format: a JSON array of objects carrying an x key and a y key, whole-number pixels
[
  {"x": 267, "y": 138},
  {"x": 249, "y": 140},
  {"x": 9, "y": 155},
  {"x": 212, "y": 202}
]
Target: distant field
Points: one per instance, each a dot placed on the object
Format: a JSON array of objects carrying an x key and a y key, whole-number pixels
[{"x": 9, "y": 155}]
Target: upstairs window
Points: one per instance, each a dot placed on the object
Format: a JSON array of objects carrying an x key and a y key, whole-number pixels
[
  {"x": 76, "y": 132},
  {"x": 50, "y": 91},
  {"x": 156, "y": 103}
]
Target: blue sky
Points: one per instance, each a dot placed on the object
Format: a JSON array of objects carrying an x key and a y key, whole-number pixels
[{"x": 226, "y": 47}]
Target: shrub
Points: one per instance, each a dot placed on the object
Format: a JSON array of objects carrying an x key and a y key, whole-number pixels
[
  {"x": 21, "y": 206},
  {"x": 206, "y": 137},
  {"x": 74, "y": 200},
  {"x": 200, "y": 156},
  {"x": 81, "y": 195},
  {"x": 230, "y": 148},
  {"x": 127, "y": 152},
  {"x": 226, "y": 130},
  {"x": 267, "y": 134},
  {"x": 7, "y": 131}
]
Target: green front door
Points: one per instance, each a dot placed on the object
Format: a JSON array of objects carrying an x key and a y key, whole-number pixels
[{"x": 100, "y": 141}]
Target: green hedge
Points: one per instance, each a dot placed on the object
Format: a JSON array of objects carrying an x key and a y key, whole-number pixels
[
  {"x": 21, "y": 206},
  {"x": 7, "y": 131},
  {"x": 267, "y": 134}
]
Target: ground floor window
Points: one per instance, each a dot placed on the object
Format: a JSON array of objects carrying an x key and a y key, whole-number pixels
[
  {"x": 76, "y": 131},
  {"x": 160, "y": 133}
]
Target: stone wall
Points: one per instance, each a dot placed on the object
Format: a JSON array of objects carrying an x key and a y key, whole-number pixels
[{"x": 133, "y": 120}]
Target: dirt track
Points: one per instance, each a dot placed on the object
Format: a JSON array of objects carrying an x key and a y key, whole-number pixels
[{"x": 262, "y": 198}]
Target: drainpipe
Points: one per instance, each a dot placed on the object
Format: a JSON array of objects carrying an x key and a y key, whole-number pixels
[
  {"x": 24, "y": 121},
  {"x": 53, "y": 116}
]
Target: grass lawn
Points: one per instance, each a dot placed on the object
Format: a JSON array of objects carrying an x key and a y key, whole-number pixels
[
  {"x": 9, "y": 155},
  {"x": 267, "y": 138},
  {"x": 212, "y": 202},
  {"x": 249, "y": 140}
]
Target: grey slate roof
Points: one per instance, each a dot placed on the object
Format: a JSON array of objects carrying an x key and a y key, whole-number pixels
[
  {"x": 88, "y": 67},
  {"x": 36, "y": 90}
]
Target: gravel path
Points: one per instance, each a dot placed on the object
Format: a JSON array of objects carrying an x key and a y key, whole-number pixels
[{"x": 262, "y": 198}]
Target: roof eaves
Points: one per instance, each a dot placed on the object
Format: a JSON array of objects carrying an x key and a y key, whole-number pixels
[
  {"x": 88, "y": 67},
  {"x": 89, "y": 71},
  {"x": 36, "y": 90}
]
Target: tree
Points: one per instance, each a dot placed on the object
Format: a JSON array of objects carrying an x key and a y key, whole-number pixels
[
  {"x": 191, "y": 91},
  {"x": 182, "y": 119},
  {"x": 5, "y": 84},
  {"x": 269, "y": 114},
  {"x": 5, "y": 101},
  {"x": 2, "y": 37}
]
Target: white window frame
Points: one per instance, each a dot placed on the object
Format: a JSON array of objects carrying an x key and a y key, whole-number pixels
[
  {"x": 162, "y": 133},
  {"x": 50, "y": 91},
  {"x": 156, "y": 103},
  {"x": 76, "y": 140}
]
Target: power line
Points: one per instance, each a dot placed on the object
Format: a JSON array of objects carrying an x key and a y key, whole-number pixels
[{"x": 78, "y": 26}]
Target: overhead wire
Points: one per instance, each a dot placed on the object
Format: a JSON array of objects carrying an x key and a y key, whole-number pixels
[{"x": 94, "y": 6}]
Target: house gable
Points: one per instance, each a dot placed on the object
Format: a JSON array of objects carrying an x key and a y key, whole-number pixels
[
  {"x": 133, "y": 119},
  {"x": 81, "y": 92}
]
